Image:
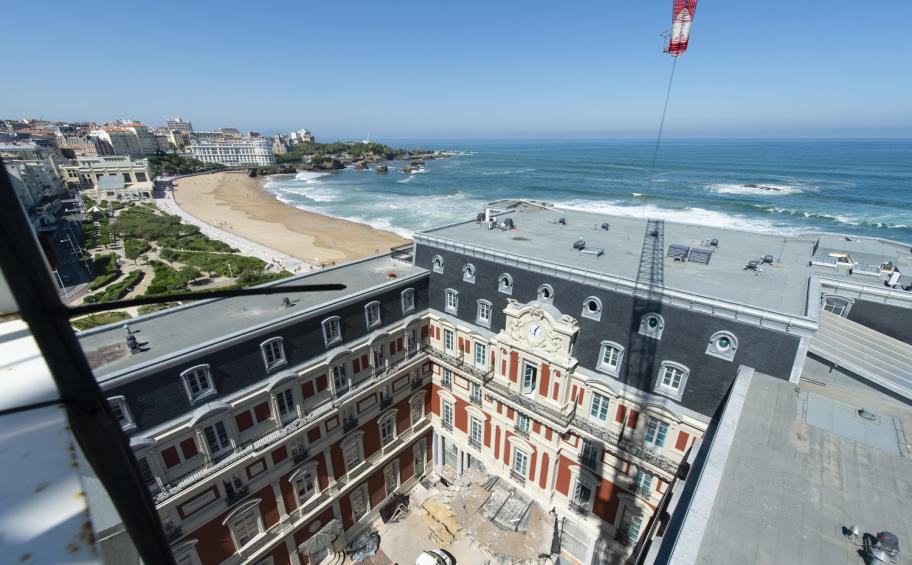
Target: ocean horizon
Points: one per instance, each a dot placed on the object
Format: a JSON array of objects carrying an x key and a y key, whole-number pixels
[{"x": 852, "y": 186}]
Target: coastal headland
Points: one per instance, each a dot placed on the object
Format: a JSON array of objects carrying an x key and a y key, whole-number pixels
[{"x": 237, "y": 203}]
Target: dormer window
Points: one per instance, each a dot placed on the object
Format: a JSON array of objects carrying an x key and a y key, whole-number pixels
[
  {"x": 332, "y": 331},
  {"x": 505, "y": 284},
  {"x": 483, "y": 316},
  {"x": 121, "y": 412},
  {"x": 437, "y": 264},
  {"x": 671, "y": 379},
  {"x": 610, "y": 358},
  {"x": 273, "y": 353},
  {"x": 545, "y": 293},
  {"x": 408, "y": 300},
  {"x": 652, "y": 325},
  {"x": 592, "y": 308},
  {"x": 198, "y": 382},
  {"x": 468, "y": 273},
  {"x": 372, "y": 314},
  {"x": 722, "y": 345},
  {"x": 452, "y": 301}
]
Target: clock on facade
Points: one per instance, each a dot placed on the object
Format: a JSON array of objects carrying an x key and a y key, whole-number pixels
[{"x": 535, "y": 330}]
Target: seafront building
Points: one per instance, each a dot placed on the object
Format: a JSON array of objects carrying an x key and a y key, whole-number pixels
[
  {"x": 583, "y": 362},
  {"x": 233, "y": 151},
  {"x": 179, "y": 124},
  {"x": 113, "y": 177}
]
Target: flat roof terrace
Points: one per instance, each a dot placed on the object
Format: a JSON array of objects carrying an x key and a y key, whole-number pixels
[
  {"x": 778, "y": 287},
  {"x": 192, "y": 325}
]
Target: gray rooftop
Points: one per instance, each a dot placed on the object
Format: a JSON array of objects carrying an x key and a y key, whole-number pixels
[
  {"x": 779, "y": 287},
  {"x": 195, "y": 324},
  {"x": 801, "y": 466}
]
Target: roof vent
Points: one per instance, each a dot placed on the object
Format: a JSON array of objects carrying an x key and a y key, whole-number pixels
[
  {"x": 714, "y": 242},
  {"x": 480, "y": 217},
  {"x": 678, "y": 252},
  {"x": 752, "y": 266},
  {"x": 606, "y": 226},
  {"x": 768, "y": 259},
  {"x": 508, "y": 224},
  {"x": 562, "y": 221},
  {"x": 286, "y": 302},
  {"x": 867, "y": 414},
  {"x": 579, "y": 244}
]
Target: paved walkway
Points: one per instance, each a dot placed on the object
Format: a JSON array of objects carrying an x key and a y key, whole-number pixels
[{"x": 275, "y": 260}]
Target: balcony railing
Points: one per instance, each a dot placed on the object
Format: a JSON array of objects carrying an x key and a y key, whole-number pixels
[
  {"x": 174, "y": 534},
  {"x": 349, "y": 424},
  {"x": 237, "y": 494},
  {"x": 527, "y": 403},
  {"x": 448, "y": 426},
  {"x": 519, "y": 430},
  {"x": 386, "y": 400},
  {"x": 299, "y": 455},
  {"x": 639, "y": 490},
  {"x": 588, "y": 460},
  {"x": 484, "y": 375},
  {"x": 517, "y": 477},
  {"x": 447, "y": 383},
  {"x": 579, "y": 508},
  {"x": 637, "y": 450},
  {"x": 475, "y": 399},
  {"x": 475, "y": 443},
  {"x": 417, "y": 383},
  {"x": 211, "y": 467}
]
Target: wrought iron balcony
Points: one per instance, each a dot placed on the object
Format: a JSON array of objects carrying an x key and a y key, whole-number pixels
[
  {"x": 517, "y": 477},
  {"x": 174, "y": 534},
  {"x": 524, "y": 432},
  {"x": 527, "y": 403},
  {"x": 637, "y": 450},
  {"x": 579, "y": 508},
  {"x": 588, "y": 459},
  {"x": 475, "y": 399},
  {"x": 475, "y": 443},
  {"x": 484, "y": 375},
  {"x": 386, "y": 400},
  {"x": 237, "y": 494},
  {"x": 348, "y": 424},
  {"x": 417, "y": 383},
  {"x": 299, "y": 455},
  {"x": 447, "y": 383},
  {"x": 639, "y": 490}
]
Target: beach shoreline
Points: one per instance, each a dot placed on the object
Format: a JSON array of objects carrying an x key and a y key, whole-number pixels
[{"x": 236, "y": 204}]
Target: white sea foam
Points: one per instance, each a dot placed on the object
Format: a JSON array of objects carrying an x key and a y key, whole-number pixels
[
  {"x": 686, "y": 216},
  {"x": 406, "y": 179},
  {"x": 764, "y": 189},
  {"x": 310, "y": 175}
]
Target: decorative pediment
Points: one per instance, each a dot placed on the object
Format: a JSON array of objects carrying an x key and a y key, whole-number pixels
[{"x": 539, "y": 328}]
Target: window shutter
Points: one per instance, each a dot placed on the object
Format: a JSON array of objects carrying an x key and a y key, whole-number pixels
[
  {"x": 262, "y": 411},
  {"x": 170, "y": 457},
  {"x": 244, "y": 421},
  {"x": 424, "y": 332},
  {"x": 188, "y": 448},
  {"x": 621, "y": 413},
  {"x": 632, "y": 419},
  {"x": 356, "y": 366},
  {"x": 681, "y": 444}
]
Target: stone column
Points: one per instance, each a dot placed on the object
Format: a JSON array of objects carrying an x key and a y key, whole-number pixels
[
  {"x": 459, "y": 454},
  {"x": 280, "y": 500},
  {"x": 292, "y": 550}
]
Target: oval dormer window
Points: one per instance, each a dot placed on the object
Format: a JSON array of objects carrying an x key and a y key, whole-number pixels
[
  {"x": 437, "y": 264},
  {"x": 468, "y": 273}
]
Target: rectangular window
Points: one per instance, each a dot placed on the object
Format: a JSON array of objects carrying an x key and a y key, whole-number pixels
[
  {"x": 452, "y": 301},
  {"x": 522, "y": 424},
  {"x": 217, "y": 438},
  {"x": 340, "y": 381},
  {"x": 483, "y": 317},
  {"x": 589, "y": 454},
  {"x": 386, "y": 431},
  {"x": 372, "y": 314},
  {"x": 305, "y": 486},
  {"x": 448, "y": 415},
  {"x": 643, "y": 481},
  {"x": 599, "y": 409},
  {"x": 656, "y": 431},
  {"x": 359, "y": 502},
  {"x": 446, "y": 379},
  {"x": 408, "y": 300},
  {"x": 671, "y": 377},
  {"x": 352, "y": 453},
  {"x": 391, "y": 477},
  {"x": 285, "y": 402},
  {"x": 246, "y": 527},
  {"x": 332, "y": 331},
  {"x": 273, "y": 353},
  {"x": 198, "y": 382},
  {"x": 448, "y": 340},
  {"x": 520, "y": 463},
  {"x": 582, "y": 493},
  {"x": 475, "y": 396},
  {"x": 530, "y": 377},
  {"x": 417, "y": 411},
  {"x": 610, "y": 358},
  {"x": 481, "y": 353},
  {"x": 476, "y": 431}
]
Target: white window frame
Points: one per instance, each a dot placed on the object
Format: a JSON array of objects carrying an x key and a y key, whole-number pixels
[
  {"x": 391, "y": 470},
  {"x": 505, "y": 283},
  {"x": 475, "y": 424},
  {"x": 830, "y": 300},
  {"x": 223, "y": 446},
  {"x": 447, "y": 412},
  {"x": 356, "y": 442},
  {"x": 540, "y": 294},
  {"x": 523, "y": 423},
  {"x": 484, "y": 306},
  {"x": 448, "y": 295},
  {"x": 643, "y": 479},
  {"x": 248, "y": 510},
  {"x": 575, "y": 498},
  {"x": 668, "y": 389},
  {"x": 191, "y": 373},
  {"x": 388, "y": 418},
  {"x": 715, "y": 347},
  {"x": 646, "y": 330},
  {"x": 468, "y": 273},
  {"x": 597, "y": 405},
  {"x": 449, "y": 344},
  {"x": 529, "y": 388},
  {"x": 587, "y": 312},
  {"x": 337, "y": 371},
  {"x": 659, "y": 430},
  {"x": 119, "y": 403},
  {"x": 608, "y": 368},
  {"x": 416, "y": 401},
  {"x": 371, "y": 310},
  {"x": 282, "y": 397},
  {"x": 520, "y": 455},
  {"x": 276, "y": 346},
  {"x": 437, "y": 264},
  {"x": 363, "y": 497},
  {"x": 308, "y": 470},
  {"x": 408, "y": 300},
  {"x": 333, "y": 322},
  {"x": 481, "y": 348}
]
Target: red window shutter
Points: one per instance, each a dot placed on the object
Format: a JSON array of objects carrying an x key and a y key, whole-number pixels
[
  {"x": 262, "y": 411},
  {"x": 279, "y": 455},
  {"x": 468, "y": 344},
  {"x": 392, "y": 348},
  {"x": 170, "y": 457},
  {"x": 437, "y": 330},
  {"x": 364, "y": 362},
  {"x": 188, "y": 448},
  {"x": 622, "y": 411},
  {"x": 356, "y": 366},
  {"x": 681, "y": 444},
  {"x": 424, "y": 332},
  {"x": 632, "y": 419},
  {"x": 399, "y": 345},
  {"x": 244, "y": 421},
  {"x": 461, "y": 346},
  {"x": 503, "y": 367}
]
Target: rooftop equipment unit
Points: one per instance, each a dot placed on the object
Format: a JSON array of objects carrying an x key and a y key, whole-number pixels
[
  {"x": 606, "y": 226},
  {"x": 768, "y": 259},
  {"x": 480, "y": 217},
  {"x": 824, "y": 261},
  {"x": 870, "y": 270},
  {"x": 562, "y": 221},
  {"x": 579, "y": 244},
  {"x": 699, "y": 255},
  {"x": 286, "y": 302},
  {"x": 678, "y": 252},
  {"x": 752, "y": 266},
  {"x": 714, "y": 242},
  {"x": 508, "y": 224},
  {"x": 894, "y": 279}
]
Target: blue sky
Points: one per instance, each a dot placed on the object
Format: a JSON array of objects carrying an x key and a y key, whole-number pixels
[{"x": 779, "y": 68}]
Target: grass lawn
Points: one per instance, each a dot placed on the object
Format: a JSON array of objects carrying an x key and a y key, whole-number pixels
[{"x": 100, "y": 319}]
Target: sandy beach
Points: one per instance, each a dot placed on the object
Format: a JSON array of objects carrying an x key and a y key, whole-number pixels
[{"x": 240, "y": 205}]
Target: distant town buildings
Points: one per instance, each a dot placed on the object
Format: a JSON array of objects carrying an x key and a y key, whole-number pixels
[
  {"x": 233, "y": 151},
  {"x": 279, "y": 144},
  {"x": 129, "y": 138},
  {"x": 179, "y": 124},
  {"x": 301, "y": 136},
  {"x": 35, "y": 180}
]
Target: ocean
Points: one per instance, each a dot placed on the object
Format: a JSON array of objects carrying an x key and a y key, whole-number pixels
[{"x": 856, "y": 187}]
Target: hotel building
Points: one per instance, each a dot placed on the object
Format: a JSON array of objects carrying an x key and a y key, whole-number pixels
[
  {"x": 578, "y": 357},
  {"x": 233, "y": 152}
]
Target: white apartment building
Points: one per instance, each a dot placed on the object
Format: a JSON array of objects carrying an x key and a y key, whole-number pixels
[
  {"x": 233, "y": 152},
  {"x": 86, "y": 172},
  {"x": 135, "y": 140},
  {"x": 179, "y": 124}
]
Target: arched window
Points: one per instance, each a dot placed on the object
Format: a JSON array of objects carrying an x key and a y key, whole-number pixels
[
  {"x": 437, "y": 264},
  {"x": 611, "y": 355},
  {"x": 408, "y": 300},
  {"x": 652, "y": 325},
  {"x": 722, "y": 345},
  {"x": 468, "y": 273},
  {"x": 452, "y": 301},
  {"x": 592, "y": 308},
  {"x": 672, "y": 379},
  {"x": 505, "y": 283},
  {"x": 546, "y": 293}
]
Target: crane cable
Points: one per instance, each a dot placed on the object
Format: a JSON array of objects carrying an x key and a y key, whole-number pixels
[{"x": 655, "y": 152}]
